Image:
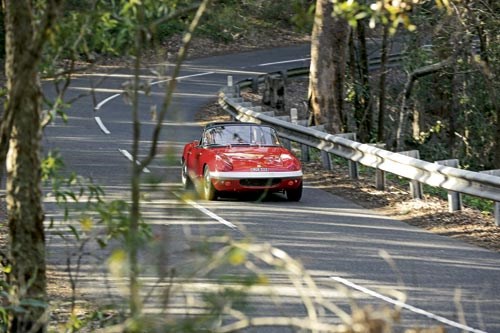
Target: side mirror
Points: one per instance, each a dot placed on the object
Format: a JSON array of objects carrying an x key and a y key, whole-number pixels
[{"x": 196, "y": 143}]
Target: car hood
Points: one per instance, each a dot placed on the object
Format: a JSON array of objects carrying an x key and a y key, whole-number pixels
[{"x": 257, "y": 157}]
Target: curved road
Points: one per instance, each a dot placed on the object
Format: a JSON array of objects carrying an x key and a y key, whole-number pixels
[{"x": 447, "y": 282}]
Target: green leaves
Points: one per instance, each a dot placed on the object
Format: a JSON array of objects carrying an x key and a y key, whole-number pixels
[{"x": 393, "y": 13}]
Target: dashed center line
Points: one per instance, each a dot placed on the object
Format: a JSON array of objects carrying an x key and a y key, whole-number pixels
[
  {"x": 182, "y": 77},
  {"x": 131, "y": 158},
  {"x": 206, "y": 211},
  {"x": 98, "y": 106},
  {"x": 101, "y": 125},
  {"x": 211, "y": 214},
  {"x": 146, "y": 170},
  {"x": 283, "y": 62}
]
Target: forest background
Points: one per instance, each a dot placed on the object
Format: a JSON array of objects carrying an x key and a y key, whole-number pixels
[{"x": 444, "y": 103}]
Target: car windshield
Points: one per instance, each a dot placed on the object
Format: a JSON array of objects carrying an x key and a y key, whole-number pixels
[{"x": 241, "y": 135}]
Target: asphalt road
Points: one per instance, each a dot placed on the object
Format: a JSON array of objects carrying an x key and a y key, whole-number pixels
[{"x": 343, "y": 246}]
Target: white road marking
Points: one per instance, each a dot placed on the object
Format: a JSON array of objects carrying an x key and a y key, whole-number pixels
[
  {"x": 98, "y": 106},
  {"x": 283, "y": 62},
  {"x": 131, "y": 159},
  {"x": 211, "y": 214},
  {"x": 206, "y": 211},
  {"x": 103, "y": 102},
  {"x": 101, "y": 125},
  {"x": 406, "y": 306},
  {"x": 183, "y": 77},
  {"x": 146, "y": 170}
]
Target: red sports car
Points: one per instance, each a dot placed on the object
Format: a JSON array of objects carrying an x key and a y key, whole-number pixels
[{"x": 240, "y": 157}]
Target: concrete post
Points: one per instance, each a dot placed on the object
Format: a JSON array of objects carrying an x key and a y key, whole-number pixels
[
  {"x": 416, "y": 189},
  {"x": 294, "y": 116},
  {"x": 231, "y": 88},
  {"x": 380, "y": 179},
  {"x": 255, "y": 84},
  {"x": 496, "y": 209},
  {"x": 326, "y": 161},
  {"x": 304, "y": 149},
  {"x": 353, "y": 166},
  {"x": 266, "y": 93},
  {"x": 454, "y": 198},
  {"x": 379, "y": 174},
  {"x": 284, "y": 76}
]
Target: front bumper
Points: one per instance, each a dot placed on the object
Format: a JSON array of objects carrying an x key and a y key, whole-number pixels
[{"x": 255, "y": 181}]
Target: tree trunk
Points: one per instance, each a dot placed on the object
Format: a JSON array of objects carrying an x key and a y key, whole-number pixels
[
  {"x": 25, "y": 214},
  {"x": 487, "y": 38},
  {"x": 353, "y": 69},
  {"x": 365, "y": 113},
  {"x": 328, "y": 65},
  {"x": 381, "y": 106}
]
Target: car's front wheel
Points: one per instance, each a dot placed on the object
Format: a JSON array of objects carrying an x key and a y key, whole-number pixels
[
  {"x": 209, "y": 191},
  {"x": 294, "y": 194},
  {"x": 186, "y": 181}
]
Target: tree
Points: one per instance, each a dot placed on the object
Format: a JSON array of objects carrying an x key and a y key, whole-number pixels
[
  {"x": 456, "y": 91},
  {"x": 133, "y": 239},
  {"x": 19, "y": 147},
  {"x": 29, "y": 28},
  {"x": 382, "y": 86},
  {"x": 360, "y": 77},
  {"x": 329, "y": 43}
]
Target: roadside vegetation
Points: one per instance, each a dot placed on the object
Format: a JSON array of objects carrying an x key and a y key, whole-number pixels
[{"x": 57, "y": 38}]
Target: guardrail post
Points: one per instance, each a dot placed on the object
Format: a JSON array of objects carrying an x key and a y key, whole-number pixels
[
  {"x": 287, "y": 144},
  {"x": 255, "y": 84},
  {"x": 294, "y": 116},
  {"x": 380, "y": 179},
  {"x": 284, "y": 76},
  {"x": 325, "y": 160},
  {"x": 304, "y": 149},
  {"x": 353, "y": 166},
  {"x": 274, "y": 91},
  {"x": 304, "y": 153},
  {"x": 496, "y": 209},
  {"x": 234, "y": 90},
  {"x": 379, "y": 174},
  {"x": 416, "y": 189},
  {"x": 454, "y": 198}
]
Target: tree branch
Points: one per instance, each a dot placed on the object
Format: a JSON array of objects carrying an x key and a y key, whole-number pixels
[
  {"x": 173, "y": 83},
  {"x": 412, "y": 77}
]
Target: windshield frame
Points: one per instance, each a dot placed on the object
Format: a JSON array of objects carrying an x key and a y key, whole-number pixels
[{"x": 240, "y": 135}]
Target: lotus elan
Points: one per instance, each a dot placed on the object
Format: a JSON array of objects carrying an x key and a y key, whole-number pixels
[{"x": 236, "y": 157}]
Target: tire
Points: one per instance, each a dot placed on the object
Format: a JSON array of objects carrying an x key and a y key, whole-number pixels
[
  {"x": 209, "y": 191},
  {"x": 187, "y": 183},
  {"x": 294, "y": 194}
]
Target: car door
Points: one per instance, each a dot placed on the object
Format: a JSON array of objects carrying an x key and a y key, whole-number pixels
[{"x": 197, "y": 157}]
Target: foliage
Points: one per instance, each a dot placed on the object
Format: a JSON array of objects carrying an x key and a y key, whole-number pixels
[
  {"x": 2, "y": 35},
  {"x": 456, "y": 104},
  {"x": 232, "y": 20},
  {"x": 89, "y": 29},
  {"x": 303, "y": 14}
]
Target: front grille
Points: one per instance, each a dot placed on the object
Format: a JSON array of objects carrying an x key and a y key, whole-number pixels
[{"x": 260, "y": 182}]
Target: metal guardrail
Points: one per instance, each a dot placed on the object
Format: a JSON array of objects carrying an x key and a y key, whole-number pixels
[{"x": 452, "y": 179}]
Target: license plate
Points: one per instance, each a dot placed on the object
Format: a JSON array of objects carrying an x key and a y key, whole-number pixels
[{"x": 260, "y": 169}]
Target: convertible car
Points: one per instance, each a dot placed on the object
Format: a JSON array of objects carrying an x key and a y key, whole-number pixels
[{"x": 240, "y": 157}]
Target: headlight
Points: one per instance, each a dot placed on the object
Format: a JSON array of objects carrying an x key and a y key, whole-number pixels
[
  {"x": 223, "y": 163},
  {"x": 290, "y": 162}
]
